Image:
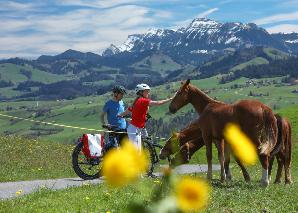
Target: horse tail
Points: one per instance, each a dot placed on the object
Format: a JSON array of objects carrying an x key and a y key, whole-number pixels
[
  {"x": 269, "y": 132},
  {"x": 288, "y": 143},
  {"x": 279, "y": 142}
]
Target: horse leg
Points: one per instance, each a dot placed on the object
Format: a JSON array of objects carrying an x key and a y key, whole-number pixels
[
  {"x": 280, "y": 164},
  {"x": 208, "y": 144},
  {"x": 265, "y": 164},
  {"x": 288, "y": 156},
  {"x": 227, "y": 154},
  {"x": 271, "y": 160},
  {"x": 288, "y": 178},
  {"x": 221, "y": 158},
  {"x": 243, "y": 169}
]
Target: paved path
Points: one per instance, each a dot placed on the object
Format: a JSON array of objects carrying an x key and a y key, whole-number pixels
[{"x": 9, "y": 189}]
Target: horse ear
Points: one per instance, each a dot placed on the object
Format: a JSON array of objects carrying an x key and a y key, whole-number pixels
[{"x": 187, "y": 81}]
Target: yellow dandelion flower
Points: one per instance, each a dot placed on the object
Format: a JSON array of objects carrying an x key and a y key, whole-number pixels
[
  {"x": 192, "y": 194},
  {"x": 240, "y": 144},
  {"x": 19, "y": 192},
  {"x": 140, "y": 158},
  {"x": 124, "y": 165},
  {"x": 118, "y": 168}
]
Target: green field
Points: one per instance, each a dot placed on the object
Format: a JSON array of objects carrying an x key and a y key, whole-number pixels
[
  {"x": 48, "y": 157},
  {"x": 84, "y": 111},
  {"x": 31, "y": 159},
  {"x": 11, "y": 72}
]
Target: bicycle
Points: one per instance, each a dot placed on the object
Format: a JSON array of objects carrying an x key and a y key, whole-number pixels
[{"x": 89, "y": 168}]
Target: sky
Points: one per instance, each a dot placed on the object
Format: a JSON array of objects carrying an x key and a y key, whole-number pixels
[{"x": 30, "y": 28}]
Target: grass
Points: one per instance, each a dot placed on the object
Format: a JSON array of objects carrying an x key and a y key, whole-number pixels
[
  {"x": 255, "y": 61},
  {"x": 157, "y": 62},
  {"x": 29, "y": 159},
  {"x": 236, "y": 196},
  {"x": 12, "y": 72},
  {"x": 84, "y": 111}
]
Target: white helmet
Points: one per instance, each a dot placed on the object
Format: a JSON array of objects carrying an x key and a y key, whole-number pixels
[{"x": 141, "y": 87}]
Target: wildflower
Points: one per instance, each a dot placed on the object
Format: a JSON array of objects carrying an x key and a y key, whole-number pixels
[
  {"x": 86, "y": 184},
  {"x": 124, "y": 165},
  {"x": 140, "y": 158},
  {"x": 192, "y": 194},
  {"x": 87, "y": 198},
  {"x": 19, "y": 192},
  {"x": 241, "y": 145}
]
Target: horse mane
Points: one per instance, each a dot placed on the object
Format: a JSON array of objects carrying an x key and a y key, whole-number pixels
[{"x": 207, "y": 98}]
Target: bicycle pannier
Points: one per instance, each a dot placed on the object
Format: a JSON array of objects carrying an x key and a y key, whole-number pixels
[{"x": 92, "y": 145}]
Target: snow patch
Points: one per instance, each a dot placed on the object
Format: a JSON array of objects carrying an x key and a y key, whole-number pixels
[
  {"x": 199, "y": 52},
  {"x": 129, "y": 43},
  {"x": 232, "y": 40},
  {"x": 292, "y": 41}
]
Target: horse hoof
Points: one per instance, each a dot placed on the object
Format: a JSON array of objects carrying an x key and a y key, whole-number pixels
[
  {"x": 264, "y": 183},
  {"x": 277, "y": 181},
  {"x": 288, "y": 182},
  {"x": 229, "y": 179},
  {"x": 247, "y": 180}
]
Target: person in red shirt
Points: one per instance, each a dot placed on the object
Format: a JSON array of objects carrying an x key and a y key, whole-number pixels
[{"x": 138, "y": 112}]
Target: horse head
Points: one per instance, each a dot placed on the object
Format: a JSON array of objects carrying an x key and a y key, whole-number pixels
[
  {"x": 181, "y": 98},
  {"x": 172, "y": 146},
  {"x": 182, "y": 157}
]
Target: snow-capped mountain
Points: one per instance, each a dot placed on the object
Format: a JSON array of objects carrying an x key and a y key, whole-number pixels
[
  {"x": 290, "y": 39},
  {"x": 202, "y": 37}
]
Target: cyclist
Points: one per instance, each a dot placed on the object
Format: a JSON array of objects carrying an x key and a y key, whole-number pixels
[
  {"x": 139, "y": 110},
  {"x": 112, "y": 109}
]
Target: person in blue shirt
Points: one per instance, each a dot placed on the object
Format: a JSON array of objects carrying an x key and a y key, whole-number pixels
[{"x": 112, "y": 109}]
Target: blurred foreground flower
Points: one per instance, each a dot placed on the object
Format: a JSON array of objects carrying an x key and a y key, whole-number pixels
[
  {"x": 124, "y": 165},
  {"x": 192, "y": 194},
  {"x": 241, "y": 145}
]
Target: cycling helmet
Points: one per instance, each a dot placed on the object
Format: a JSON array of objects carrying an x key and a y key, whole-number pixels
[
  {"x": 119, "y": 89},
  {"x": 141, "y": 87}
]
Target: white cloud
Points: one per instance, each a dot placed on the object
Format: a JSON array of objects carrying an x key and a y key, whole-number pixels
[
  {"x": 207, "y": 13},
  {"x": 96, "y": 3},
  {"x": 283, "y": 28},
  {"x": 277, "y": 18},
  {"x": 86, "y": 29},
  {"x": 15, "y": 6},
  {"x": 186, "y": 22}
]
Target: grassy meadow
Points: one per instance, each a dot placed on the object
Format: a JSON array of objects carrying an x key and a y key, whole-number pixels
[
  {"x": 84, "y": 111},
  {"x": 49, "y": 156},
  {"x": 237, "y": 196}
]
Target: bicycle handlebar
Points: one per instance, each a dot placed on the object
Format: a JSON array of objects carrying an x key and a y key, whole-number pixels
[{"x": 109, "y": 126}]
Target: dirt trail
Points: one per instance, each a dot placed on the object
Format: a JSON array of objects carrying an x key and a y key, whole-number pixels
[{"x": 9, "y": 189}]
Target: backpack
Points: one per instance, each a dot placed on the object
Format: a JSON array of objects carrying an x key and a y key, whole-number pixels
[{"x": 92, "y": 145}]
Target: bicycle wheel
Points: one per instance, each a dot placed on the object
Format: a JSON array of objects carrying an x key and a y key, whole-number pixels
[
  {"x": 148, "y": 147},
  {"x": 87, "y": 169}
]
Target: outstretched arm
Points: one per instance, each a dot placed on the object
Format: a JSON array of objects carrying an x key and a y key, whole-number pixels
[{"x": 156, "y": 103}]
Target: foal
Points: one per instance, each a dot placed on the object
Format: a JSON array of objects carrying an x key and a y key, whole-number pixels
[
  {"x": 256, "y": 120},
  {"x": 186, "y": 142}
]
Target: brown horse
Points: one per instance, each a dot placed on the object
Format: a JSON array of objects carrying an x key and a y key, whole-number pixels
[
  {"x": 186, "y": 142},
  {"x": 282, "y": 151},
  {"x": 256, "y": 120}
]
